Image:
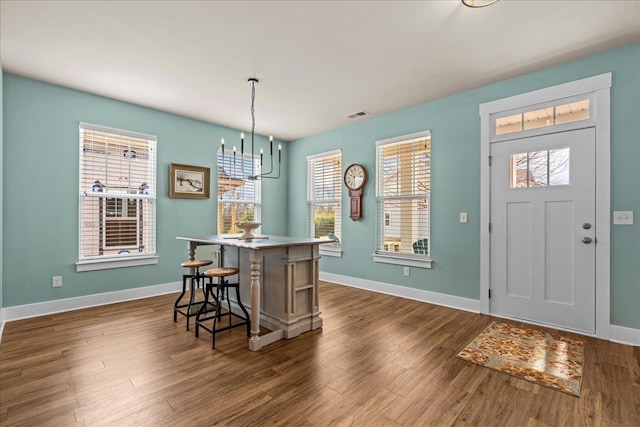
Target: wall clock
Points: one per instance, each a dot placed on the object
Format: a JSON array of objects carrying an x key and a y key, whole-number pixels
[{"x": 355, "y": 177}]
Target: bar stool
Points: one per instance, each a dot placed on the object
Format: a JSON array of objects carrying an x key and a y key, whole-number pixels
[
  {"x": 192, "y": 305},
  {"x": 222, "y": 288}
]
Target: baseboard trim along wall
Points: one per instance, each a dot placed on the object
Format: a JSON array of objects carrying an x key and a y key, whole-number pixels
[
  {"x": 57, "y": 306},
  {"x": 1, "y": 323},
  {"x": 436, "y": 298},
  {"x": 624, "y": 335},
  {"x": 618, "y": 334}
]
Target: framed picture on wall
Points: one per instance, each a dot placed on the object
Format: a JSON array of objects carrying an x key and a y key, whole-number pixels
[{"x": 188, "y": 182}]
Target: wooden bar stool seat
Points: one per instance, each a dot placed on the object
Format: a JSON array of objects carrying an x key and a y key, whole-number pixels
[
  {"x": 190, "y": 309},
  {"x": 212, "y": 307}
]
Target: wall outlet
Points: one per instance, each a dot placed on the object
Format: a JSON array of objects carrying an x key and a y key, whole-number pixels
[
  {"x": 623, "y": 217},
  {"x": 56, "y": 281},
  {"x": 463, "y": 217},
  {"x": 407, "y": 271}
]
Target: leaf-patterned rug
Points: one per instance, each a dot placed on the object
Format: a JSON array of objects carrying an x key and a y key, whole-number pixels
[{"x": 551, "y": 360}]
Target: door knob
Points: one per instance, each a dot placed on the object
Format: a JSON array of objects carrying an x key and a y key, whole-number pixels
[
  {"x": 586, "y": 226},
  {"x": 586, "y": 240}
]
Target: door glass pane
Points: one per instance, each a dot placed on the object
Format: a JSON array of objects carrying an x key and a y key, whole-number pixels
[
  {"x": 559, "y": 167},
  {"x": 518, "y": 170},
  {"x": 538, "y": 168}
]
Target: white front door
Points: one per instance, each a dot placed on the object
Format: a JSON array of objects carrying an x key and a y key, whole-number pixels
[{"x": 543, "y": 229}]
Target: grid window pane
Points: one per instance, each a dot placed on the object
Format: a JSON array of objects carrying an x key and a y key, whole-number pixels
[
  {"x": 239, "y": 198},
  {"x": 324, "y": 194},
  {"x": 538, "y": 118},
  {"x": 403, "y": 183},
  {"x": 117, "y": 193},
  {"x": 540, "y": 168},
  {"x": 552, "y": 115}
]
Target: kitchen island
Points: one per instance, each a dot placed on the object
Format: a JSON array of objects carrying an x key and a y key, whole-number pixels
[{"x": 280, "y": 274}]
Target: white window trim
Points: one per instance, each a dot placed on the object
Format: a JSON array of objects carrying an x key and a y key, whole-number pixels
[
  {"x": 334, "y": 249},
  {"x": 324, "y": 154},
  {"x": 124, "y": 260},
  {"x": 384, "y": 257},
  {"x": 403, "y": 259}
]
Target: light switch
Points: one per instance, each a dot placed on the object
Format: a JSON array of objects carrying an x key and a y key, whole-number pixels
[
  {"x": 623, "y": 217},
  {"x": 463, "y": 217}
]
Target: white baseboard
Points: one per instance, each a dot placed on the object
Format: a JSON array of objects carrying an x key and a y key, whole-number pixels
[
  {"x": 1, "y": 323},
  {"x": 624, "y": 335},
  {"x": 436, "y": 298},
  {"x": 57, "y": 306},
  {"x": 619, "y": 334}
]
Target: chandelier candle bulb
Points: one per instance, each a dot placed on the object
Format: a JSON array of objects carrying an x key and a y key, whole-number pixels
[
  {"x": 279, "y": 153},
  {"x": 271, "y": 144},
  {"x": 241, "y": 142},
  {"x": 222, "y": 143},
  {"x": 261, "y": 154}
]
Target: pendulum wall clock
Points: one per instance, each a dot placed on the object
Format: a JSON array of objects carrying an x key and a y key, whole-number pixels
[{"x": 355, "y": 177}]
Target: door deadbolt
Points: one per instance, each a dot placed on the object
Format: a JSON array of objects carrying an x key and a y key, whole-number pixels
[
  {"x": 586, "y": 226},
  {"x": 586, "y": 240}
]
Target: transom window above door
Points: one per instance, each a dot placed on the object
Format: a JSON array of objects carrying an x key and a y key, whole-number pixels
[{"x": 541, "y": 116}]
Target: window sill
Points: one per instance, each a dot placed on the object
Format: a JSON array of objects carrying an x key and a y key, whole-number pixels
[
  {"x": 331, "y": 251},
  {"x": 406, "y": 260},
  {"x": 105, "y": 264}
]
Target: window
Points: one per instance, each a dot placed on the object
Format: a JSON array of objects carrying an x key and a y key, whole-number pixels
[
  {"x": 117, "y": 198},
  {"x": 238, "y": 197},
  {"x": 560, "y": 112},
  {"x": 403, "y": 188},
  {"x": 324, "y": 196},
  {"x": 539, "y": 168}
]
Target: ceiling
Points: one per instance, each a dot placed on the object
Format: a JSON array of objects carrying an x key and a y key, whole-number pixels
[{"x": 317, "y": 61}]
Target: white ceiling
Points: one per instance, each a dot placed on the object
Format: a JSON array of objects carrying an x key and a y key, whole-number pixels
[{"x": 316, "y": 61}]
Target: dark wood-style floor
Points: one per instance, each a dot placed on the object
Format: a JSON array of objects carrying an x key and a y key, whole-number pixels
[{"x": 378, "y": 360}]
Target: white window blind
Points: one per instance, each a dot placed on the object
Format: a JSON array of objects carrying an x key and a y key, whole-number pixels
[
  {"x": 117, "y": 193},
  {"x": 324, "y": 195},
  {"x": 403, "y": 187},
  {"x": 239, "y": 199}
]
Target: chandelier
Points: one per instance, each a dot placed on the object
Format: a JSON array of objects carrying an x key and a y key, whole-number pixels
[
  {"x": 252, "y": 174},
  {"x": 478, "y": 3}
]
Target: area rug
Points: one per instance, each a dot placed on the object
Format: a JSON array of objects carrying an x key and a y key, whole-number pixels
[{"x": 551, "y": 360}]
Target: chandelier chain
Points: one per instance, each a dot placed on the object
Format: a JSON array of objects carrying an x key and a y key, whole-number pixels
[{"x": 253, "y": 112}]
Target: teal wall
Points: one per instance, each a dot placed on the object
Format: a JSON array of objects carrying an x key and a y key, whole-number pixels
[
  {"x": 455, "y": 126},
  {"x": 40, "y": 230},
  {"x": 40, "y": 209}
]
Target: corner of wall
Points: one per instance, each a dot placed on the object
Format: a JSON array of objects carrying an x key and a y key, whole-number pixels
[{"x": 1, "y": 203}]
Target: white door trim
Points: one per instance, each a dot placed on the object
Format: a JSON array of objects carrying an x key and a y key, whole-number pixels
[{"x": 598, "y": 87}]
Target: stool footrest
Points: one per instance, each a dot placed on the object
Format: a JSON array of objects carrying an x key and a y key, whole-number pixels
[{"x": 216, "y": 315}]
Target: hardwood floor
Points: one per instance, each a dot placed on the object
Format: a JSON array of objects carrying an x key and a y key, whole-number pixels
[{"x": 378, "y": 360}]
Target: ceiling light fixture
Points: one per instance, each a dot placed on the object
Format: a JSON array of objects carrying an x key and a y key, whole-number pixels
[
  {"x": 251, "y": 174},
  {"x": 478, "y": 3}
]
